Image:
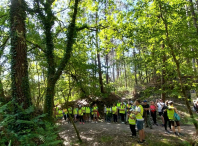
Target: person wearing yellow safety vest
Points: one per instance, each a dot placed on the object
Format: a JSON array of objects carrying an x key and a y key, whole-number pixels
[
  {"x": 65, "y": 114},
  {"x": 128, "y": 108},
  {"x": 118, "y": 106},
  {"x": 170, "y": 112},
  {"x": 59, "y": 113},
  {"x": 69, "y": 113},
  {"x": 87, "y": 111},
  {"x": 115, "y": 113},
  {"x": 75, "y": 113},
  {"x": 140, "y": 120},
  {"x": 84, "y": 112},
  {"x": 95, "y": 113},
  {"x": 80, "y": 115},
  {"x": 132, "y": 122},
  {"x": 108, "y": 113},
  {"x": 122, "y": 112},
  {"x": 92, "y": 113}
]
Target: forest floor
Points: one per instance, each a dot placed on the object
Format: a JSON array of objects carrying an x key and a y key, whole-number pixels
[{"x": 110, "y": 134}]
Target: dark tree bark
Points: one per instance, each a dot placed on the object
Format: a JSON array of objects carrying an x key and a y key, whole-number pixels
[
  {"x": 135, "y": 67},
  {"x": 194, "y": 16},
  {"x": 19, "y": 64},
  {"x": 163, "y": 94},
  {"x": 2, "y": 95},
  {"x": 113, "y": 54},
  {"x": 107, "y": 64}
]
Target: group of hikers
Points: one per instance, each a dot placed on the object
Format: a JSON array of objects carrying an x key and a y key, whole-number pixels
[
  {"x": 135, "y": 114},
  {"x": 81, "y": 113}
]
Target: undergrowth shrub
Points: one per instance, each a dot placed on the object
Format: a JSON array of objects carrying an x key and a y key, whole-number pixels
[{"x": 18, "y": 130}]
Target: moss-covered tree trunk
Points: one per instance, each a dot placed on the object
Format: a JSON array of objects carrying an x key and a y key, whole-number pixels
[
  {"x": 50, "y": 91},
  {"x": 2, "y": 96},
  {"x": 47, "y": 18},
  {"x": 19, "y": 64}
]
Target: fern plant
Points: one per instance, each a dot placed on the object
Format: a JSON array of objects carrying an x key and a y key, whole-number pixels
[{"x": 20, "y": 132}]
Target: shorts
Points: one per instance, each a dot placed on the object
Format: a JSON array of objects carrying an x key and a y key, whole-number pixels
[
  {"x": 140, "y": 125},
  {"x": 95, "y": 115},
  {"x": 173, "y": 123},
  {"x": 160, "y": 113}
]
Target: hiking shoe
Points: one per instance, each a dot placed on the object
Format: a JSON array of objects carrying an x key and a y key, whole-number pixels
[
  {"x": 151, "y": 127},
  {"x": 180, "y": 134},
  {"x": 83, "y": 123},
  {"x": 143, "y": 140},
  {"x": 156, "y": 124},
  {"x": 176, "y": 134},
  {"x": 80, "y": 122},
  {"x": 140, "y": 141},
  {"x": 168, "y": 131},
  {"x": 96, "y": 122}
]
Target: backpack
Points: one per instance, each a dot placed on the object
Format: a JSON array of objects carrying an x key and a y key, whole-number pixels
[{"x": 176, "y": 116}]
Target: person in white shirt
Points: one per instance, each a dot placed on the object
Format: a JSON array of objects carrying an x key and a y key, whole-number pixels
[{"x": 160, "y": 105}]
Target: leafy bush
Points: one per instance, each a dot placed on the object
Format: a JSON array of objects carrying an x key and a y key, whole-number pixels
[{"x": 20, "y": 127}]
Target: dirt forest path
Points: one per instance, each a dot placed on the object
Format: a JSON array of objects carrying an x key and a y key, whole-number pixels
[{"x": 110, "y": 134}]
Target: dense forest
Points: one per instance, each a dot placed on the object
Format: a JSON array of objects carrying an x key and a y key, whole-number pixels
[{"x": 57, "y": 52}]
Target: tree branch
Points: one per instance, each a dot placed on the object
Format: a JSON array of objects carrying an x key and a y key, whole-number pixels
[
  {"x": 3, "y": 16},
  {"x": 35, "y": 46},
  {"x": 63, "y": 9},
  {"x": 3, "y": 45},
  {"x": 70, "y": 41}
]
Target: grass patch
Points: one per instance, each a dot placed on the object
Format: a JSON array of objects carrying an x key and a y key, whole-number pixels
[{"x": 106, "y": 139}]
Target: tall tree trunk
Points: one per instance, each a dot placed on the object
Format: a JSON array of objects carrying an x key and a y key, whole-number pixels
[
  {"x": 125, "y": 72},
  {"x": 107, "y": 73},
  {"x": 135, "y": 67},
  {"x": 178, "y": 70},
  {"x": 194, "y": 16},
  {"x": 163, "y": 94},
  {"x": 50, "y": 92},
  {"x": 39, "y": 87},
  {"x": 113, "y": 54},
  {"x": 98, "y": 57},
  {"x": 2, "y": 95},
  {"x": 19, "y": 64}
]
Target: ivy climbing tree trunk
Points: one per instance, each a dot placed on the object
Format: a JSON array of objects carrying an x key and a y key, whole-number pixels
[
  {"x": 19, "y": 64},
  {"x": 47, "y": 18},
  {"x": 2, "y": 96}
]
